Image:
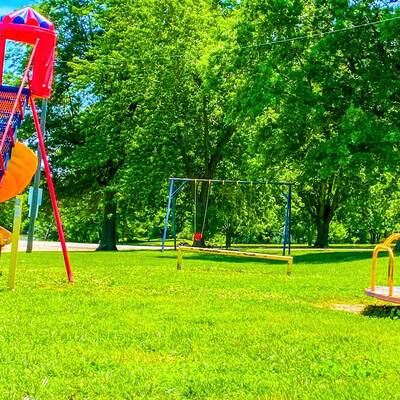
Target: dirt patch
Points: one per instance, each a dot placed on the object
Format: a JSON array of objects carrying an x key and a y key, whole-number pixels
[{"x": 352, "y": 308}]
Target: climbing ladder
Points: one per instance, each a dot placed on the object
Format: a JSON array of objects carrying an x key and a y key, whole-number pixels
[{"x": 13, "y": 102}]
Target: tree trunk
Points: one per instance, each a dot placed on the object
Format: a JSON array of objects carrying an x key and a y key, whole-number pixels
[
  {"x": 328, "y": 204},
  {"x": 322, "y": 233},
  {"x": 108, "y": 239},
  {"x": 372, "y": 237},
  {"x": 228, "y": 239}
]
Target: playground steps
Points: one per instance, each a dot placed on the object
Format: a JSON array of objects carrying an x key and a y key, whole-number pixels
[
  {"x": 19, "y": 163},
  {"x": 8, "y": 98}
]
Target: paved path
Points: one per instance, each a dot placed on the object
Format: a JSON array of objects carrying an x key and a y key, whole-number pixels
[
  {"x": 56, "y": 246},
  {"x": 71, "y": 246}
]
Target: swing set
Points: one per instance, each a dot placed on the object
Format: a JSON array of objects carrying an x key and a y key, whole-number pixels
[{"x": 176, "y": 185}]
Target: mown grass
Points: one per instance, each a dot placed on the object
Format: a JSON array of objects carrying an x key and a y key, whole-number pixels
[
  {"x": 223, "y": 328},
  {"x": 335, "y": 246}
]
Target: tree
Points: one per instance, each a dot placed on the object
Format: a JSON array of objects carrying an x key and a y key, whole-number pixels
[
  {"x": 161, "y": 85},
  {"x": 323, "y": 104}
]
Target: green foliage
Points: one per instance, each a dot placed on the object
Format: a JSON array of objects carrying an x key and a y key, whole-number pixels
[
  {"x": 148, "y": 90},
  {"x": 325, "y": 105}
]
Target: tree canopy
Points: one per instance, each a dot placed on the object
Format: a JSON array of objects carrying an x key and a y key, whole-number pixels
[{"x": 305, "y": 91}]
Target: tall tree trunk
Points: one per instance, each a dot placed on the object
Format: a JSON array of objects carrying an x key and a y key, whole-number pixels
[
  {"x": 322, "y": 233},
  {"x": 228, "y": 238},
  {"x": 108, "y": 239},
  {"x": 326, "y": 207}
]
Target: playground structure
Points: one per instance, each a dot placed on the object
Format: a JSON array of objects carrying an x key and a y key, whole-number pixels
[
  {"x": 175, "y": 190},
  {"x": 262, "y": 256},
  {"x": 389, "y": 293},
  {"x": 18, "y": 163}
]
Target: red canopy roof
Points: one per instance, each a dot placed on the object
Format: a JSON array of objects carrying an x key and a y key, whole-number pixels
[
  {"x": 28, "y": 26},
  {"x": 27, "y": 16}
]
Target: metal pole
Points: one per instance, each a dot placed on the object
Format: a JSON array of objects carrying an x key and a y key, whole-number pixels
[
  {"x": 174, "y": 220},
  {"x": 15, "y": 241},
  {"x": 290, "y": 218},
  {"x": 171, "y": 189},
  {"x": 223, "y": 181},
  {"x": 285, "y": 229},
  {"x": 52, "y": 191},
  {"x": 36, "y": 181}
]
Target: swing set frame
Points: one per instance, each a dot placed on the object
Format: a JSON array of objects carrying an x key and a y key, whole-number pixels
[{"x": 176, "y": 185}]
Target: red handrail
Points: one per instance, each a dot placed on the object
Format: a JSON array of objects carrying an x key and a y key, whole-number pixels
[{"x": 25, "y": 79}]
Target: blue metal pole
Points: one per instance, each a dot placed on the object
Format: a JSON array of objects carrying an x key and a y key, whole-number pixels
[
  {"x": 171, "y": 189},
  {"x": 285, "y": 229},
  {"x": 174, "y": 220}
]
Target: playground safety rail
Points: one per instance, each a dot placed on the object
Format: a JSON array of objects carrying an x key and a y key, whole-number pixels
[{"x": 385, "y": 246}]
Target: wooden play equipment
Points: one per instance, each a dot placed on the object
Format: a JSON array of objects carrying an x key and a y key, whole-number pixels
[
  {"x": 232, "y": 253},
  {"x": 389, "y": 293}
]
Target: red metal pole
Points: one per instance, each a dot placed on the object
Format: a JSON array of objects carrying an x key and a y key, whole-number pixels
[{"x": 52, "y": 191}]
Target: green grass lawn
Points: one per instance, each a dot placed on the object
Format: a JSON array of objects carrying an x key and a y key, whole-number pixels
[
  {"x": 170, "y": 243},
  {"x": 134, "y": 327}
]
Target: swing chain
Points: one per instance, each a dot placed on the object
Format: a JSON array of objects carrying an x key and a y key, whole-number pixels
[{"x": 206, "y": 207}]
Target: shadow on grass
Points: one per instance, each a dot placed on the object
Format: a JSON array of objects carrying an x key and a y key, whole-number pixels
[
  {"x": 373, "y": 311},
  {"x": 333, "y": 257},
  {"x": 222, "y": 258},
  {"x": 309, "y": 258}
]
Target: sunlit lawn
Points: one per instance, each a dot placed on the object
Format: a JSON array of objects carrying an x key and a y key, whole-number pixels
[{"x": 134, "y": 327}]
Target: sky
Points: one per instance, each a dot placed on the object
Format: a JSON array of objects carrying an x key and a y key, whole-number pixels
[{"x": 9, "y": 5}]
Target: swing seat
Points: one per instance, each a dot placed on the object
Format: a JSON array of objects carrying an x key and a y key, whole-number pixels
[{"x": 389, "y": 293}]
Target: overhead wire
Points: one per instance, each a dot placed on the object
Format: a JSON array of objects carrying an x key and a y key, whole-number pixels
[
  {"x": 265, "y": 44},
  {"x": 320, "y": 34}
]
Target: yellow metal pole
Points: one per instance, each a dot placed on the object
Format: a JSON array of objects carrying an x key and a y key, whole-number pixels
[
  {"x": 15, "y": 240},
  {"x": 180, "y": 259},
  {"x": 289, "y": 266},
  {"x": 391, "y": 272},
  {"x": 373, "y": 273}
]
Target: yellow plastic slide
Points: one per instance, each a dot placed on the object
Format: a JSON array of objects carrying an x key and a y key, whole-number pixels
[
  {"x": 20, "y": 169},
  {"x": 5, "y": 237},
  {"x": 19, "y": 172}
]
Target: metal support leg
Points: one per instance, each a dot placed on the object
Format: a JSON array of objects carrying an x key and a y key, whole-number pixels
[
  {"x": 52, "y": 191},
  {"x": 174, "y": 220},
  {"x": 171, "y": 190},
  {"x": 36, "y": 182}
]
